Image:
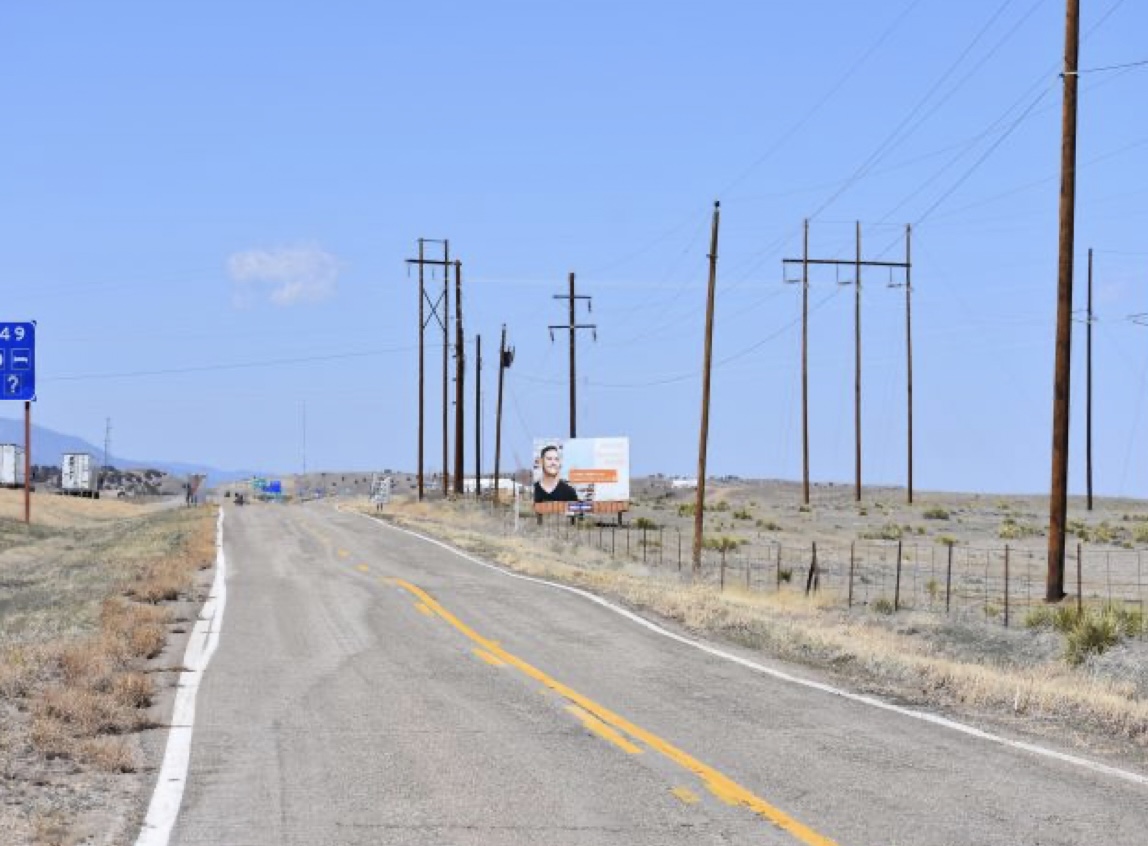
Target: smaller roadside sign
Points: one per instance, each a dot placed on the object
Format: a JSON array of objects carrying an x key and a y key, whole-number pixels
[{"x": 381, "y": 489}]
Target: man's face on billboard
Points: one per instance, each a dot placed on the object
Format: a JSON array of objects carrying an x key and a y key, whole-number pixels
[{"x": 551, "y": 463}]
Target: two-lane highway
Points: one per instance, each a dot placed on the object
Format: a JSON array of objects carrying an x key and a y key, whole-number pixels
[{"x": 372, "y": 687}]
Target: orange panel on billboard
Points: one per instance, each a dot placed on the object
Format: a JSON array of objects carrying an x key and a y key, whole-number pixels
[{"x": 588, "y": 475}]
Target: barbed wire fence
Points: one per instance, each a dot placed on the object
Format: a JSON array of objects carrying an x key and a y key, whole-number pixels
[{"x": 994, "y": 584}]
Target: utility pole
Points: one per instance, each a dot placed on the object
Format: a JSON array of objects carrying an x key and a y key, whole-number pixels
[
  {"x": 445, "y": 365},
  {"x": 459, "y": 380},
  {"x": 909, "y": 349},
  {"x": 1062, "y": 380},
  {"x": 107, "y": 440},
  {"x": 856, "y": 263},
  {"x": 703, "y": 434},
  {"x": 805, "y": 365},
  {"x": 505, "y": 359},
  {"x": 304, "y": 421},
  {"x": 573, "y": 327},
  {"x": 857, "y": 362},
  {"x": 908, "y": 354},
  {"x": 1088, "y": 398},
  {"x": 478, "y": 417},
  {"x": 422, "y": 369},
  {"x": 443, "y": 319}
]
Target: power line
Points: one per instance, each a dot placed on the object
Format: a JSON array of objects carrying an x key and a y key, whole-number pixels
[
  {"x": 981, "y": 160},
  {"x": 773, "y": 148},
  {"x": 682, "y": 377},
  {"x": 207, "y": 368},
  {"x": 903, "y": 130},
  {"x": 1123, "y": 66}
]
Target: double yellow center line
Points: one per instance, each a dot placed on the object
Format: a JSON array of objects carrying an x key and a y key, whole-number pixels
[{"x": 621, "y": 731}]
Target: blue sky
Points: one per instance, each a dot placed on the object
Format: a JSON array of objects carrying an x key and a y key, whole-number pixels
[{"x": 207, "y": 208}]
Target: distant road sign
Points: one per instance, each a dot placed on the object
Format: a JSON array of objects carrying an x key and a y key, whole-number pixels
[
  {"x": 381, "y": 489},
  {"x": 18, "y": 361}
]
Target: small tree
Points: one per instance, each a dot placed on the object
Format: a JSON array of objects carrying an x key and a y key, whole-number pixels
[{"x": 724, "y": 544}]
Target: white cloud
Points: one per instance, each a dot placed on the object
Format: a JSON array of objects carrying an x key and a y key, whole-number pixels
[{"x": 285, "y": 276}]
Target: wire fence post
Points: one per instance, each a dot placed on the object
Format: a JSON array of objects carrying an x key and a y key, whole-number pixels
[
  {"x": 679, "y": 531},
  {"x": 1108, "y": 574},
  {"x": 1140, "y": 595},
  {"x": 949, "y": 580},
  {"x": 1006, "y": 556},
  {"x": 916, "y": 574},
  {"x": 748, "y": 571},
  {"x": 811, "y": 579},
  {"x": 778, "y": 568},
  {"x": 897, "y": 586},
  {"x": 1079, "y": 579},
  {"x": 852, "y": 564}
]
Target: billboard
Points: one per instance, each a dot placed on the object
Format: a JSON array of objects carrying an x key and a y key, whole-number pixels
[{"x": 581, "y": 475}]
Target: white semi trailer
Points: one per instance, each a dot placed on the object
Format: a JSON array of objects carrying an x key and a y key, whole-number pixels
[
  {"x": 11, "y": 466},
  {"x": 79, "y": 475}
]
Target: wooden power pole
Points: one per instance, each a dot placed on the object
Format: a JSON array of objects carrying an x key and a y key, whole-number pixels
[
  {"x": 478, "y": 416},
  {"x": 857, "y": 365},
  {"x": 703, "y": 435},
  {"x": 445, "y": 367},
  {"x": 805, "y": 364},
  {"x": 909, "y": 357},
  {"x": 1062, "y": 379},
  {"x": 505, "y": 359},
  {"x": 573, "y": 326},
  {"x": 856, "y": 263},
  {"x": 443, "y": 319},
  {"x": 459, "y": 381},
  {"x": 1088, "y": 384}
]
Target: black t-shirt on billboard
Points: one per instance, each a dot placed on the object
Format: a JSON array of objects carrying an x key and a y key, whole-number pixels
[{"x": 563, "y": 492}]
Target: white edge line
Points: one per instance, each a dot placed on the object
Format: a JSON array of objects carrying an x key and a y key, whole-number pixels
[
  {"x": 168, "y": 795},
  {"x": 872, "y": 701}
]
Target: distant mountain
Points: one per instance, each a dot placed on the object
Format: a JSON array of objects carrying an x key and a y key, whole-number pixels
[{"x": 48, "y": 445}]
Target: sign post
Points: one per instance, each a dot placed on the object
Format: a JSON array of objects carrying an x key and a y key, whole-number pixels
[
  {"x": 27, "y": 461},
  {"x": 18, "y": 382}
]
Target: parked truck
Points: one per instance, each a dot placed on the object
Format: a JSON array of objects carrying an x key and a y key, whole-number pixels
[
  {"x": 11, "y": 466},
  {"x": 79, "y": 475}
]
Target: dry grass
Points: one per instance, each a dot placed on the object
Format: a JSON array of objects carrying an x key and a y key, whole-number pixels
[
  {"x": 110, "y": 754},
  {"x": 66, "y": 511},
  {"x": 81, "y": 618},
  {"x": 137, "y": 631},
  {"x": 904, "y": 656}
]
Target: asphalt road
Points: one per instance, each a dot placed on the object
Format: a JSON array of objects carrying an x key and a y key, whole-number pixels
[{"x": 373, "y": 688}]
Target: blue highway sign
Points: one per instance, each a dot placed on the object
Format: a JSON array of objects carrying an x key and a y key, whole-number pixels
[{"x": 18, "y": 361}]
